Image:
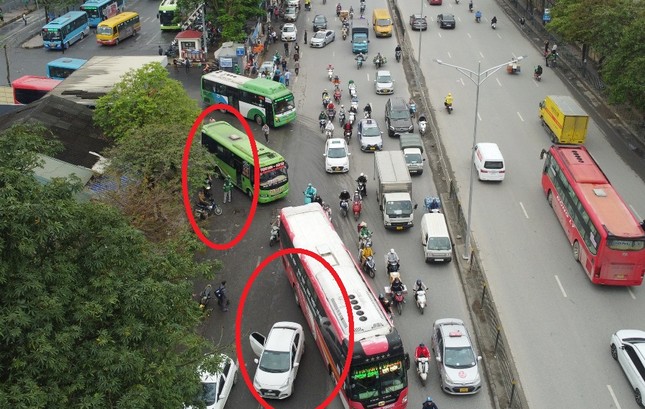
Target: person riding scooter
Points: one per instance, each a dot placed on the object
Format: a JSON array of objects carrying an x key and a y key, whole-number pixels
[
  {"x": 368, "y": 110},
  {"x": 396, "y": 286},
  {"x": 393, "y": 261},
  {"x": 421, "y": 351},
  {"x": 362, "y": 181},
  {"x": 365, "y": 253},
  {"x": 344, "y": 197},
  {"x": 387, "y": 304},
  {"x": 419, "y": 286},
  {"x": 478, "y": 16},
  {"x": 397, "y": 52},
  {"x": 538, "y": 71},
  {"x": 310, "y": 193},
  {"x": 429, "y": 404}
]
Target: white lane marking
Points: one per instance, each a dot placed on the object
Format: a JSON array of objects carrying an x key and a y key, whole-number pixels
[
  {"x": 613, "y": 396},
  {"x": 520, "y": 115},
  {"x": 631, "y": 293},
  {"x": 482, "y": 54},
  {"x": 463, "y": 84},
  {"x": 564, "y": 293},
  {"x": 524, "y": 210},
  {"x": 449, "y": 55},
  {"x": 499, "y": 36},
  {"x": 258, "y": 262},
  {"x": 368, "y": 77},
  {"x": 468, "y": 34},
  {"x": 498, "y": 82},
  {"x": 478, "y": 116}
]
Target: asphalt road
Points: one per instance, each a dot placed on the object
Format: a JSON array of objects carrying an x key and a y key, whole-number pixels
[{"x": 557, "y": 322}]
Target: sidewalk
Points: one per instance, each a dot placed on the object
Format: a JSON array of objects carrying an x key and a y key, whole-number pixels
[{"x": 11, "y": 16}]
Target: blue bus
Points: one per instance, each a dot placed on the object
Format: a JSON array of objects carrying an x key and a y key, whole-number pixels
[
  {"x": 99, "y": 10},
  {"x": 60, "y": 68},
  {"x": 66, "y": 30}
]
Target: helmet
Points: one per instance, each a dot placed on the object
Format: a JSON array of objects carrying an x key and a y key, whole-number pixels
[
  {"x": 418, "y": 282},
  {"x": 449, "y": 94},
  {"x": 362, "y": 174},
  {"x": 325, "y": 90},
  {"x": 429, "y": 399},
  {"x": 207, "y": 187},
  {"x": 422, "y": 344},
  {"x": 342, "y": 107},
  {"x": 309, "y": 185},
  {"x": 362, "y": 224},
  {"x": 381, "y": 296},
  {"x": 391, "y": 250}
]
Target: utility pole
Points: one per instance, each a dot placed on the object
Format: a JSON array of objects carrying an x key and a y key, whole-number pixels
[{"x": 6, "y": 59}]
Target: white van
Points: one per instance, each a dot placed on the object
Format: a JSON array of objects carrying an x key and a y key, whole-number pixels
[
  {"x": 435, "y": 238},
  {"x": 489, "y": 162}
]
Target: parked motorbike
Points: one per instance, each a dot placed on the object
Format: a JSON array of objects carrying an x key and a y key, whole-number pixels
[
  {"x": 202, "y": 211},
  {"x": 344, "y": 207},
  {"x": 205, "y": 297},
  {"x": 421, "y": 300},
  {"x": 369, "y": 267},
  {"x": 422, "y": 369},
  {"x": 423, "y": 124},
  {"x": 357, "y": 206},
  {"x": 275, "y": 234}
]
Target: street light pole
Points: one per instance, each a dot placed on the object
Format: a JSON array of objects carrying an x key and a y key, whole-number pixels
[
  {"x": 420, "y": 31},
  {"x": 477, "y": 78}
]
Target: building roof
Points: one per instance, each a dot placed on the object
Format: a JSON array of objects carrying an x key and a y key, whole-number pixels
[
  {"x": 189, "y": 34},
  {"x": 69, "y": 122}
]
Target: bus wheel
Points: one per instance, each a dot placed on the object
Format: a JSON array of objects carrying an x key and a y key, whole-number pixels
[
  {"x": 576, "y": 251},
  {"x": 258, "y": 120},
  {"x": 82, "y": 36},
  {"x": 249, "y": 193},
  {"x": 66, "y": 45},
  {"x": 549, "y": 198}
]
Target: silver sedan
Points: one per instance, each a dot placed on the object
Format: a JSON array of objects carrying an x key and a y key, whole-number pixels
[{"x": 322, "y": 38}]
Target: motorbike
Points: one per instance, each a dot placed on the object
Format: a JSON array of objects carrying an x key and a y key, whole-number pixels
[
  {"x": 448, "y": 107},
  {"x": 357, "y": 206},
  {"x": 327, "y": 210},
  {"x": 537, "y": 76},
  {"x": 422, "y": 369},
  {"x": 222, "y": 299},
  {"x": 202, "y": 211},
  {"x": 513, "y": 67},
  {"x": 205, "y": 297},
  {"x": 342, "y": 118},
  {"x": 326, "y": 101},
  {"x": 330, "y": 73},
  {"x": 354, "y": 104},
  {"x": 398, "y": 299},
  {"x": 362, "y": 189},
  {"x": 308, "y": 6},
  {"x": 391, "y": 266},
  {"x": 359, "y": 63},
  {"x": 369, "y": 267},
  {"x": 344, "y": 33},
  {"x": 331, "y": 114},
  {"x": 338, "y": 9},
  {"x": 421, "y": 300},
  {"x": 493, "y": 25},
  {"x": 323, "y": 124},
  {"x": 352, "y": 90},
  {"x": 337, "y": 96},
  {"x": 348, "y": 135},
  {"x": 344, "y": 207},
  {"x": 379, "y": 62},
  {"x": 432, "y": 204},
  {"x": 352, "y": 117},
  {"x": 423, "y": 124},
  {"x": 329, "y": 133},
  {"x": 478, "y": 17},
  {"x": 397, "y": 55},
  {"x": 275, "y": 234}
]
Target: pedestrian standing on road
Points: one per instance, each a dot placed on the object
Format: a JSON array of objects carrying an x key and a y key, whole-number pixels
[
  {"x": 284, "y": 64},
  {"x": 265, "y": 130},
  {"x": 24, "y": 18},
  {"x": 296, "y": 67},
  {"x": 187, "y": 63},
  {"x": 305, "y": 36},
  {"x": 296, "y": 56},
  {"x": 287, "y": 77},
  {"x": 546, "y": 46},
  {"x": 286, "y": 49},
  {"x": 228, "y": 187},
  {"x": 160, "y": 50}
]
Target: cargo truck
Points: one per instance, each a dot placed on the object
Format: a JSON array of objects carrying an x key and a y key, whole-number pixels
[
  {"x": 360, "y": 39},
  {"x": 394, "y": 190},
  {"x": 565, "y": 121},
  {"x": 412, "y": 147}
]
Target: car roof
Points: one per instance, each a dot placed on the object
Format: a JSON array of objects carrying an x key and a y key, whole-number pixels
[
  {"x": 288, "y": 25},
  {"x": 334, "y": 142},
  {"x": 417, "y": 16},
  {"x": 447, "y": 16},
  {"x": 398, "y": 103},
  {"x": 369, "y": 123},
  {"x": 212, "y": 377},
  {"x": 319, "y": 16},
  {"x": 454, "y": 332},
  {"x": 383, "y": 72},
  {"x": 280, "y": 336}
]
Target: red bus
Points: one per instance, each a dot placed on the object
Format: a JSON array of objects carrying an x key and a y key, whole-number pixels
[
  {"x": 607, "y": 239},
  {"x": 30, "y": 88},
  {"x": 378, "y": 373}
]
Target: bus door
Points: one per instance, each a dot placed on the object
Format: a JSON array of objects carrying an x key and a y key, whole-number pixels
[
  {"x": 238, "y": 167},
  {"x": 234, "y": 98},
  {"x": 268, "y": 106}
]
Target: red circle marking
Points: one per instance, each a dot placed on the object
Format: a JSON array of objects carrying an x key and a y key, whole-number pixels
[
  {"x": 184, "y": 177},
  {"x": 240, "y": 311}
]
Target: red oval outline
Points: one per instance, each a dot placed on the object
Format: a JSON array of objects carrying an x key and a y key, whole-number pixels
[
  {"x": 240, "y": 310},
  {"x": 184, "y": 177}
]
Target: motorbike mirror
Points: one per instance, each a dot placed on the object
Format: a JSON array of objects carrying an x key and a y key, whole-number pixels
[
  {"x": 256, "y": 360},
  {"x": 479, "y": 358},
  {"x": 438, "y": 359},
  {"x": 407, "y": 361}
]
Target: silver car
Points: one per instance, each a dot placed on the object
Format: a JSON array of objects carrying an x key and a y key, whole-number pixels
[
  {"x": 384, "y": 84},
  {"x": 369, "y": 135},
  {"x": 322, "y": 38},
  {"x": 290, "y": 14},
  {"x": 457, "y": 363},
  {"x": 628, "y": 348}
]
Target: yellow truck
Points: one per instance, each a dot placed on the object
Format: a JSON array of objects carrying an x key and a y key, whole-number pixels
[{"x": 565, "y": 121}]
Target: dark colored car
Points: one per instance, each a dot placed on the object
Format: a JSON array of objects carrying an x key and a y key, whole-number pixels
[
  {"x": 435, "y": 2},
  {"x": 446, "y": 21},
  {"x": 397, "y": 116},
  {"x": 418, "y": 22},
  {"x": 320, "y": 23}
]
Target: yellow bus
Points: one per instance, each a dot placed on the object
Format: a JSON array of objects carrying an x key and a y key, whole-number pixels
[{"x": 118, "y": 28}]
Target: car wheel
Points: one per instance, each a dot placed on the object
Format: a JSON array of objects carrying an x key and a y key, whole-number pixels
[
  {"x": 614, "y": 352},
  {"x": 549, "y": 198},
  {"x": 576, "y": 251}
]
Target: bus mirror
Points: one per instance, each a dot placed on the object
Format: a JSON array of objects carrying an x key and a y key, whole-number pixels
[
  {"x": 407, "y": 361},
  {"x": 543, "y": 153}
]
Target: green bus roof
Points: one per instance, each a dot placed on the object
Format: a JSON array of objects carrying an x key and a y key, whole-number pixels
[
  {"x": 266, "y": 87},
  {"x": 167, "y": 5},
  {"x": 238, "y": 142}
]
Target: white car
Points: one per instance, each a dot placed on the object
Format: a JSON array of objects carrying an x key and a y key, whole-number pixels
[
  {"x": 279, "y": 358},
  {"x": 628, "y": 348},
  {"x": 456, "y": 360},
  {"x": 336, "y": 156},
  {"x": 384, "y": 84},
  {"x": 266, "y": 67},
  {"x": 290, "y": 13},
  {"x": 322, "y": 38},
  {"x": 289, "y": 32},
  {"x": 294, "y": 3},
  {"x": 217, "y": 386}
]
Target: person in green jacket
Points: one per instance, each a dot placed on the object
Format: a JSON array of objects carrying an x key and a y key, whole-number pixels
[{"x": 228, "y": 186}]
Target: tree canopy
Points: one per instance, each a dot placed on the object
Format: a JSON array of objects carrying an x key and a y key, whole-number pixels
[
  {"x": 92, "y": 314},
  {"x": 230, "y": 16},
  {"x": 614, "y": 29}
]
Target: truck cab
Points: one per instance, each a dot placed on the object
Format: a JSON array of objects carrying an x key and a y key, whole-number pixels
[{"x": 360, "y": 40}]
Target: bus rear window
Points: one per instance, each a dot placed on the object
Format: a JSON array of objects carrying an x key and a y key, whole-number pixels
[{"x": 626, "y": 245}]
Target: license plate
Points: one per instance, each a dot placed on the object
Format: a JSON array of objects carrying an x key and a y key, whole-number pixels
[
  {"x": 372, "y": 148},
  {"x": 619, "y": 276},
  {"x": 440, "y": 259},
  {"x": 399, "y": 227},
  {"x": 463, "y": 390}
]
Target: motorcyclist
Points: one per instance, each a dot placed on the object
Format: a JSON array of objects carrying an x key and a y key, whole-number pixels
[
  {"x": 448, "y": 101},
  {"x": 343, "y": 31},
  {"x": 363, "y": 231},
  {"x": 434, "y": 204},
  {"x": 344, "y": 197},
  {"x": 538, "y": 70},
  {"x": 362, "y": 179},
  {"x": 325, "y": 95},
  {"x": 360, "y": 56},
  {"x": 327, "y": 209},
  {"x": 478, "y": 16},
  {"x": 323, "y": 115},
  {"x": 421, "y": 351},
  {"x": 397, "y": 286},
  {"x": 341, "y": 111},
  {"x": 365, "y": 253},
  {"x": 378, "y": 60},
  {"x": 357, "y": 196},
  {"x": 204, "y": 196},
  {"x": 419, "y": 285},
  {"x": 493, "y": 20},
  {"x": 347, "y": 128},
  {"x": 330, "y": 107},
  {"x": 397, "y": 50},
  {"x": 368, "y": 109},
  {"x": 470, "y": 6},
  {"x": 393, "y": 258},
  {"x": 429, "y": 404},
  {"x": 310, "y": 191},
  {"x": 387, "y": 305},
  {"x": 329, "y": 128}
]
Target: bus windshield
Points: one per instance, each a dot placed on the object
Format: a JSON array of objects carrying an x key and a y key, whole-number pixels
[
  {"x": 92, "y": 12},
  {"x": 273, "y": 175},
  {"x": 51, "y": 35},
  {"x": 284, "y": 105},
  {"x": 105, "y": 30},
  {"x": 373, "y": 380}
]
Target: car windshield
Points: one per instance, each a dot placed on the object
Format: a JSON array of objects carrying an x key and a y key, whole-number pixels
[
  {"x": 273, "y": 176},
  {"x": 371, "y": 131},
  {"x": 288, "y": 29},
  {"x": 413, "y": 158},
  {"x": 320, "y": 34},
  {"x": 384, "y": 22},
  {"x": 384, "y": 78},
  {"x": 448, "y": 18},
  {"x": 376, "y": 381},
  {"x": 461, "y": 357},
  {"x": 320, "y": 19},
  {"x": 438, "y": 243},
  {"x": 336, "y": 153},
  {"x": 274, "y": 361},
  {"x": 209, "y": 393},
  {"x": 291, "y": 10},
  {"x": 398, "y": 208},
  {"x": 399, "y": 114}
]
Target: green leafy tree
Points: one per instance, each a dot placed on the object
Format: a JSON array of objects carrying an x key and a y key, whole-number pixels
[
  {"x": 231, "y": 16},
  {"x": 144, "y": 96},
  {"x": 92, "y": 314}
]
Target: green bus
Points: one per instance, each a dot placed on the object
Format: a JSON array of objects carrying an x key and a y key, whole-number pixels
[
  {"x": 259, "y": 99},
  {"x": 169, "y": 15},
  {"x": 233, "y": 157}
]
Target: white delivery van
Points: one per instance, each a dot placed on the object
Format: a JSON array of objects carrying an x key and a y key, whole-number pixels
[
  {"x": 489, "y": 162},
  {"x": 435, "y": 238}
]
